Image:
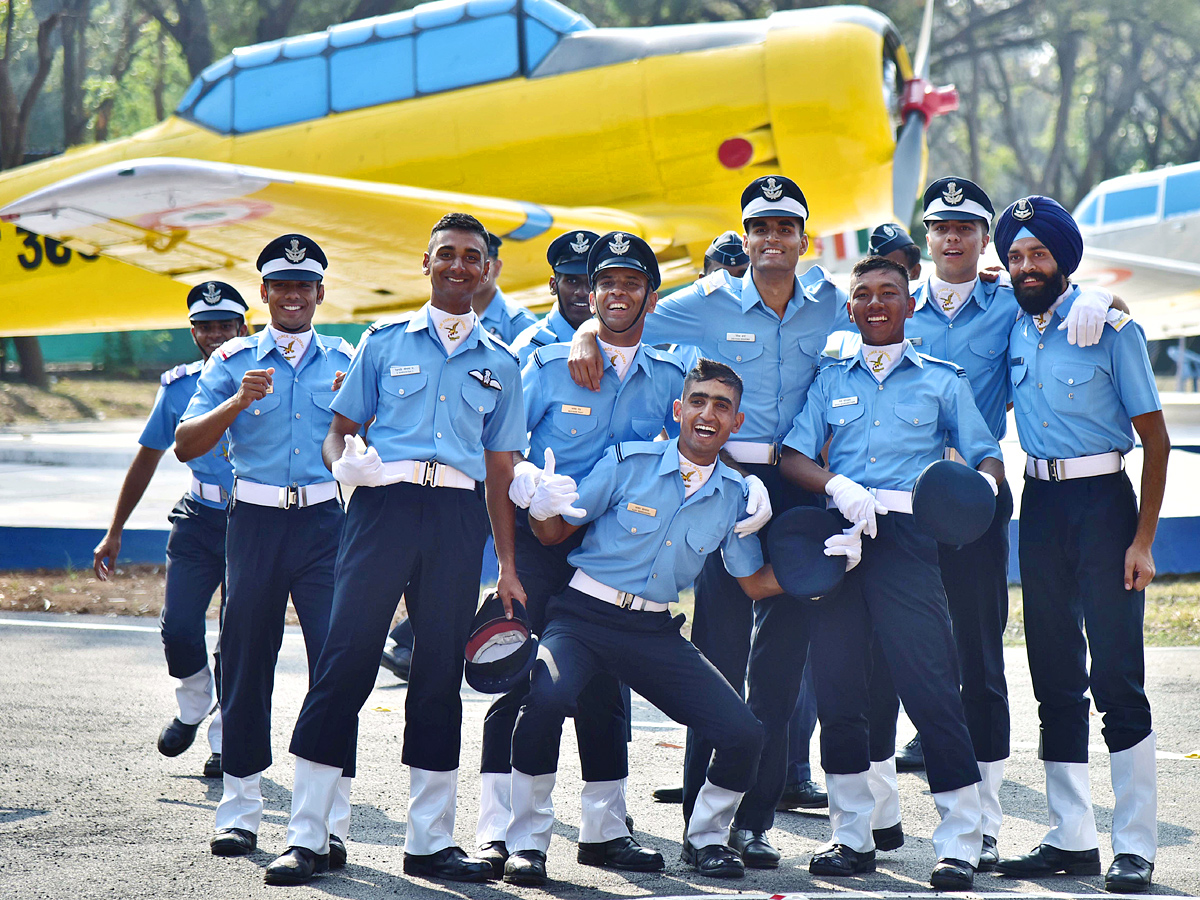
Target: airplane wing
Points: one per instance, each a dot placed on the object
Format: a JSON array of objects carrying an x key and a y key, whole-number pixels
[
  {"x": 115, "y": 248},
  {"x": 1164, "y": 294}
]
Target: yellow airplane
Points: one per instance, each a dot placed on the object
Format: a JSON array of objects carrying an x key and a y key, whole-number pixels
[{"x": 518, "y": 111}]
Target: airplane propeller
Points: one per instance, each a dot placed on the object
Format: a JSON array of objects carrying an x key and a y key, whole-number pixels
[{"x": 921, "y": 102}]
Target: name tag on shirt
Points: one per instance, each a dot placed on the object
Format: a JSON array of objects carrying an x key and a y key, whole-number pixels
[
  {"x": 916, "y": 342},
  {"x": 845, "y": 401},
  {"x": 577, "y": 410},
  {"x": 644, "y": 510},
  {"x": 405, "y": 370},
  {"x": 740, "y": 337}
]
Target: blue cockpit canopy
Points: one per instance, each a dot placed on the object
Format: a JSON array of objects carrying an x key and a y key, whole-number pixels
[{"x": 431, "y": 48}]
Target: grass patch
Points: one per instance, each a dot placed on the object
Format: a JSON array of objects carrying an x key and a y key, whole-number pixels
[{"x": 78, "y": 397}]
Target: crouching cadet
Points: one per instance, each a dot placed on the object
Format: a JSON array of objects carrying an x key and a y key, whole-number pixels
[
  {"x": 1084, "y": 548},
  {"x": 888, "y": 412},
  {"x": 657, "y": 509}
]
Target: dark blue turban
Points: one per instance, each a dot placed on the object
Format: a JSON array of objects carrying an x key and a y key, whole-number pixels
[{"x": 1046, "y": 220}]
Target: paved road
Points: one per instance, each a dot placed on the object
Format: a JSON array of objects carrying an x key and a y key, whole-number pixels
[{"x": 88, "y": 808}]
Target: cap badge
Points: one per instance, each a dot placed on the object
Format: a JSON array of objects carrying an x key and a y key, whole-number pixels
[
  {"x": 772, "y": 189},
  {"x": 953, "y": 194},
  {"x": 1023, "y": 211},
  {"x": 211, "y": 295},
  {"x": 294, "y": 253},
  {"x": 581, "y": 243},
  {"x": 889, "y": 231},
  {"x": 619, "y": 244}
]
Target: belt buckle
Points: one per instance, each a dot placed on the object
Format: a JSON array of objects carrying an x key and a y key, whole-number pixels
[
  {"x": 625, "y": 599},
  {"x": 1052, "y": 470},
  {"x": 772, "y": 454},
  {"x": 429, "y": 479},
  {"x": 288, "y": 497}
]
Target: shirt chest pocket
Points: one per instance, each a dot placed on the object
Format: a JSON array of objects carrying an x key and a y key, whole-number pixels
[
  {"x": 637, "y": 523},
  {"x": 1017, "y": 375},
  {"x": 476, "y": 402},
  {"x": 919, "y": 416},
  {"x": 740, "y": 352},
  {"x": 646, "y": 428},
  {"x": 403, "y": 387},
  {"x": 322, "y": 415},
  {"x": 572, "y": 426},
  {"x": 264, "y": 406},
  {"x": 1070, "y": 387},
  {"x": 989, "y": 348},
  {"x": 838, "y": 416},
  {"x": 702, "y": 542}
]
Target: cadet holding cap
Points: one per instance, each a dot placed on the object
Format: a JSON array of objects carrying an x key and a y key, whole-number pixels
[
  {"x": 574, "y": 426},
  {"x": 196, "y": 544},
  {"x": 567, "y": 255},
  {"x": 1085, "y": 547},
  {"x": 497, "y": 315},
  {"x": 445, "y": 400},
  {"x": 887, "y": 412},
  {"x": 271, "y": 392}
]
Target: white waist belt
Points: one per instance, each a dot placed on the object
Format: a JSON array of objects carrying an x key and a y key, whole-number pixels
[
  {"x": 586, "y": 584},
  {"x": 895, "y": 501},
  {"x": 431, "y": 474},
  {"x": 1079, "y": 467},
  {"x": 283, "y": 497},
  {"x": 213, "y": 492},
  {"x": 753, "y": 452}
]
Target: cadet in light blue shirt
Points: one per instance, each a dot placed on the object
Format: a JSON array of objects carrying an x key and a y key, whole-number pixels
[
  {"x": 497, "y": 315},
  {"x": 1085, "y": 547},
  {"x": 657, "y": 510},
  {"x": 196, "y": 545},
  {"x": 567, "y": 255}
]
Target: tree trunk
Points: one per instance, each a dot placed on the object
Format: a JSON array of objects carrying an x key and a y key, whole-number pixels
[
  {"x": 76, "y": 14},
  {"x": 33, "y": 367}
]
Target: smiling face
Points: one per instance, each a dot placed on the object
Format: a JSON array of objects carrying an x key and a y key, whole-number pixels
[
  {"x": 573, "y": 297},
  {"x": 707, "y": 415},
  {"x": 292, "y": 303},
  {"x": 211, "y": 334},
  {"x": 456, "y": 264},
  {"x": 956, "y": 246},
  {"x": 1036, "y": 278},
  {"x": 775, "y": 243},
  {"x": 617, "y": 300},
  {"x": 879, "y": 303}
]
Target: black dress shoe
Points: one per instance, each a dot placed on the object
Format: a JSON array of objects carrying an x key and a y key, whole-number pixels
[
  {"x": 233, "y": 842},
  {"x": 668, "y": 795},
  {"x": 337, "y": 852},
  {"x": 494, "y": 852},
  {"x": 450, "y": 864},
  {"x": 1046, "y": 860},
  {"x": 756, "y": 851},
  {"x": 212, "y": 766},
  {"x": 1128, "y": 874},
  {"x": 620, "y": 853},
  {"x": 297, "y": 865},
  {"x": 839, "y": 861},
  {"x": 803, "y": 795},
  {"x": 989, "y": 855},
  {"x": 911, "y": 757},
  {"x": 176, "y": 738},
  {"x": 525, "y": 867},
  {"x": 714, "y": 861},
  {"x": 890, "y": 838},
  {"x": 397, "y": 660},
  {"x": 952, "y": 875}
]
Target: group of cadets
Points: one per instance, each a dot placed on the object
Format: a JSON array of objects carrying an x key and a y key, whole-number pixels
[{"x": 347, "y": 473}]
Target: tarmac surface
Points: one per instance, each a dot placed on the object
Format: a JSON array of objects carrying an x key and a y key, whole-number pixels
[{"x": 88, "y": 808}]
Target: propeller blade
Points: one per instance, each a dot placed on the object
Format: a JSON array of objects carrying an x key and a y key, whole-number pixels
[
  {"x": 921, "y": 60},
  {"x": 906, "y": 167}
]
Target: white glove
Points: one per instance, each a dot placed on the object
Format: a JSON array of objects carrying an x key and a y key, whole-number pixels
[
  {"x": 847, "y": 544},
  {"x": 855, "y": 502},
  {"x": 991, "y": 483},
  {"x": 525, "y": 481},
  {"x": 758, "y": 507},
  {"x": 554, "y": 494},
  {"x": 354, "y": 467},
  {"x": 1085, "y": 321}
]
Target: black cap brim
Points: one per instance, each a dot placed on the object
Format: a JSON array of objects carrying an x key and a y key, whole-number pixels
[
  {"x": 214, "y": 315},
  {"x": 572, "y": 267},
  {"x": 292, "y": 275}
]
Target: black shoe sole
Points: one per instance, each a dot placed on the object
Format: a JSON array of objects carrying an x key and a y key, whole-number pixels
[
  {"x": 1124, "y": 888},
  {"x": 1088, "y": 868},
  {"x": 293, "y": 878},
  {"x": 731, "y": 872},
  {"x": 760, "y": 863},
  {"x": 420, "y": 872},
  {"x": 527, "y": 879},
  {"x": 944, "y": 883},
  {"x": 600, "y": 861},
  {"x": 864, "y": 869},
  {"x": 229, "y": 848}
]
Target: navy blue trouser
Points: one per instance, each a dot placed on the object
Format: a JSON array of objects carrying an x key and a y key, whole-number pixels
[
  {"x": 425, "y": 544},
  {"x": 975, "y": 578},
  {"x": 897, "y": 590},
  {"x": 800, "y": 730},
  {"x": 271, "y": 553},
  {"x": 600, "y": 717},
  {"x": 764, "y": 644},
  {"x": 1072, "y": 545},
  {"x": 195, "y": 569},
  {"x": 584, "y": 637}
]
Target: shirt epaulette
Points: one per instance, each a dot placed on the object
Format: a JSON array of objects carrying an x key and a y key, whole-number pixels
[
  {"x": 174, "y": 374},
  {"x": 548, "y": 352},
  {"x": 382, "y": 324},
  {"x": 663, "y": 355},
  {"x": 713, "y": 280},
  {"x": 237, "y": 345},
  {"x": 540, "y": 333},
  {"x": 630, "y": 448},
  {"x": 340, "y": 344},
  {"x": 958, "y": 370},
  {"x": 1117, "y": 319}
]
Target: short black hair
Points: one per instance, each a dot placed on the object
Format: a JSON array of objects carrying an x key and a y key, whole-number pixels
[
  {"x": 460, "y": 222},
  {"x": 879, "y": 263},
  {"x": 912, "y": 254},
  {"x": 711, "y": 370}
]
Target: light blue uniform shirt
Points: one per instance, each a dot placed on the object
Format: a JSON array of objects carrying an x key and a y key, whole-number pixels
[
  {"x": 178, "y": 385},
  {"x": 884, "y": 435},
  {"x": 428, "y": 406},
  {"x": 554, "y": 329},
  {"x": 1078, "y": 401},
  {"x": 505, "y": 320},
  {"x": 777, "y": 359},
  {"x": 648, "y": 539},
  {"x": 976, "y": 340},
  {"x": 277, "y": 439},
  {"x": 579, "y": 424}
]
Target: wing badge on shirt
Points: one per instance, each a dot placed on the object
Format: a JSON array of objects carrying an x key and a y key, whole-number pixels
[{"x": 486, "y": 379}]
